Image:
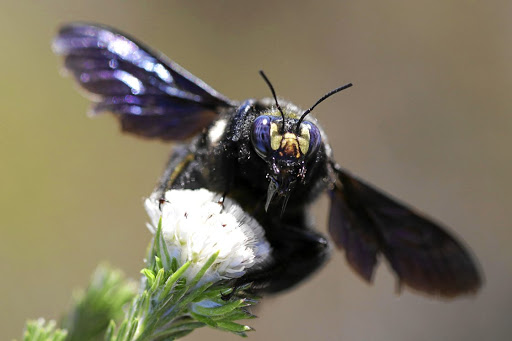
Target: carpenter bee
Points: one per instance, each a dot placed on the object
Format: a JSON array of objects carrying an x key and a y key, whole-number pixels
[{"x": 272, "y": 158}]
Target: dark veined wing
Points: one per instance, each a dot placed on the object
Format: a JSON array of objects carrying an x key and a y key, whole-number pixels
[
  {"x": 151, "y": 95},
  {"x": 367, "y": 223}
]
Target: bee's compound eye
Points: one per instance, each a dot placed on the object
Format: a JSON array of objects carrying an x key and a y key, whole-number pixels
[
  {"x": 315, "y": 138},
  {"x": 260, "y": 135}
]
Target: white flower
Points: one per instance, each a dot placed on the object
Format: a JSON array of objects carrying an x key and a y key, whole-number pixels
[{"x": 195, "y": 226}]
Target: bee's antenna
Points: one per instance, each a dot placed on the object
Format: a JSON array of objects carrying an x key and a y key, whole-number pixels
[
  {"x": 329, "y": 94},
  {"x": 273, "y": 94}
]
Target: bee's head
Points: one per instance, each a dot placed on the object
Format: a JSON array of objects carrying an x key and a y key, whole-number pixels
[
  {"x": 285, "y": 151},
  {"x": 286, "y": 145}
]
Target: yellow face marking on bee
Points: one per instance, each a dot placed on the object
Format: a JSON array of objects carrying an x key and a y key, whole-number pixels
[
  {"x": 275, "y": 138},
  {"x": 304, "y": 139},
  {"x": 290, "y": 144}
]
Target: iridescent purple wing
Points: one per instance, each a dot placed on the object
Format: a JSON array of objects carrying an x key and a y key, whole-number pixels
[
  {"x": 151, "y": 95},
  {"x": 366, "y": 223}
]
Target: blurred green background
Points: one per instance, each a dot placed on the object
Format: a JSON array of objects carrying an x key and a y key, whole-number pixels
[{"x": 429, "y": 120}]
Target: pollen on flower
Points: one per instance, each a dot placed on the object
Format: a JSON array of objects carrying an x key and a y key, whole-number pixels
[{"x": 195, "y": 226}]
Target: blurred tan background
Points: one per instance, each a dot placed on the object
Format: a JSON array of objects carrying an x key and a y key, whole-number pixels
[{"x": 429, "y": 120}]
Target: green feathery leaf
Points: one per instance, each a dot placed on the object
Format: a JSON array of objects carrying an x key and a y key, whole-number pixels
[
  {"x": 101, "y": 302},
  {"x": 40, "y": 330}
]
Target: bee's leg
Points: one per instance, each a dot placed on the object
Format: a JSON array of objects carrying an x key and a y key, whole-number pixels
[
  {"x": 224, "y": 195},
  {"x": 180, "y": 158},
  {"x": 161, "y": 202},
  {"x": 297, "y": 253},
  {"x": 303, "y": 252},
  {"x": 228, "y": 176}
]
